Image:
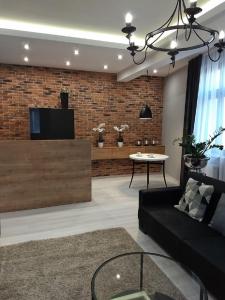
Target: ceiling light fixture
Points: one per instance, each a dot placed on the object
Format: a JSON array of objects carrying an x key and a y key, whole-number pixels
[
  {"x": 105, "y": 67},
  {"x": 120, "y": 56},
  {"x": 182, "y": 21},
  {"x": 68, "y": 63},
  {"x": 155, "y": 71},
  {"x": 26, "y": 59},
  {"x": 76, "y": 52},
  {"x": 26, "y": 46},
  {"x": 145, "y": 112}
]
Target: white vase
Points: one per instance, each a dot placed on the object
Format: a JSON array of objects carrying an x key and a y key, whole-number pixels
[
  {"x": 100, "y": 144},
  {"x": 120, "y": 144}
]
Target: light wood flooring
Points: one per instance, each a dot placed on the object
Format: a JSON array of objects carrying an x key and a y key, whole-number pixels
[{"x": 113, "y": 205}]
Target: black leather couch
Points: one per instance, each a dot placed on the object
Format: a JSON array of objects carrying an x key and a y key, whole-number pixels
[{"x": 192, "y": 243}]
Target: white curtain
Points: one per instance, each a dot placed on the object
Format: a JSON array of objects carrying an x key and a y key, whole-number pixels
[{"x": 210, "y": 113}]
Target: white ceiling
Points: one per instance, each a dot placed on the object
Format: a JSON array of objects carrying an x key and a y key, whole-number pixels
[{"x": 54, "y": 28}]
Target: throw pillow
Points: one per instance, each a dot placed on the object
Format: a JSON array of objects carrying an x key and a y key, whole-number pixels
[
  {"x": 218, "y": 220},
  {"x": 195, "y": 199}
]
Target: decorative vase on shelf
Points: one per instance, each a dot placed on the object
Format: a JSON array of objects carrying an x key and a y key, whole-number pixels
[
  {"x": 64, "y": 96},
  {"x": 100, "y": 144},
  {"x": 120, "y": 144},
  {"x": 120, "y": 129},
  {"x": 120, "y": 140},
  {"x": 100, "y": 130}
]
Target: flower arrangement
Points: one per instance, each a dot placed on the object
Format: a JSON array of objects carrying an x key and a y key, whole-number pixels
[
  {"x": 120, "y": 129},
  {"x": 100, "y": 129}
]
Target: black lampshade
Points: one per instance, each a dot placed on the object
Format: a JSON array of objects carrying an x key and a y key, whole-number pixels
[{"x": 145, "y": 112}]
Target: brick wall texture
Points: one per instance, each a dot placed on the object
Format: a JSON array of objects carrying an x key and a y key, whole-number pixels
[{"x": 95, "y": 97}]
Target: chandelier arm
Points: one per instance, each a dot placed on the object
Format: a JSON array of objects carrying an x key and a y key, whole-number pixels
[
  {"x": 178, "y": 19},
  {"x": 171, "y": 17},
  {"x": 213, "y": 31},
  {"x": 210, "y": 57},
  {"x": 181, "y": 15},
  {"x": 188, "y": 35},
  {"x": 200, "y": 38},
  {"x": 156, "y": 39},
  {"x": 145, "y": 45},
  {"x": 168, "y": 24},
  {"x": 141, "y": 61},
  {"x": 184, "y": 5}
]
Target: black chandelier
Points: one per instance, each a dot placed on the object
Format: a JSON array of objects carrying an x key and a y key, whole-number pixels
[{"x": 185, "y": 22}]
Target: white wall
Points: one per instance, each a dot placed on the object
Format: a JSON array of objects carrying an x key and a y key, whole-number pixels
[{"x": 173, "y": 118}]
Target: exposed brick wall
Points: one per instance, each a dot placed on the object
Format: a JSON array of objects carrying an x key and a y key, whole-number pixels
[{"x": 96, "y": 98}]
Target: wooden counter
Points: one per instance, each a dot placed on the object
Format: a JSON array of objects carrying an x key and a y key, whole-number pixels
[
  {"x": 37, "y": 174},
  {"x": 107, "y": 153}
]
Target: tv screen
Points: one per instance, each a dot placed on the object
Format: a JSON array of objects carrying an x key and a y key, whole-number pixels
[{"x": 51, "y": 124}]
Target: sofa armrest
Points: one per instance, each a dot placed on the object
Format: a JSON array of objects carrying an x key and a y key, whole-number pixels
[{"x": 160, "y": 196}]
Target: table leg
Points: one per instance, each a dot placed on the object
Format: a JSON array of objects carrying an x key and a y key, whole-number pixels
[
  {"x": 147, "y": 174},
  {"x": 164, "y": 173},
  {"x": 132, "y": 175}
]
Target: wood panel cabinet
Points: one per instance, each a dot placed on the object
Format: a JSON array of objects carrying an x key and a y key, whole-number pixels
[{"x": 38, "y": 174}]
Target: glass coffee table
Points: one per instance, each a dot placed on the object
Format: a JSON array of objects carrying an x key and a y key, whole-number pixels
[{"x": 136, "y": 276}]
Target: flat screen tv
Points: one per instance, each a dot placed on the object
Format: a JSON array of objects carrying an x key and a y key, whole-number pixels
[{"x": 51, "y": 124}]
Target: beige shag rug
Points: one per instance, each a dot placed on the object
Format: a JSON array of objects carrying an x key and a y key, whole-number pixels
[{"x": 62, "y": 268}]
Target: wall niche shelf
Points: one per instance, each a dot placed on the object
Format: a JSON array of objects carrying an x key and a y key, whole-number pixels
[{"x": 108, "y": 153}]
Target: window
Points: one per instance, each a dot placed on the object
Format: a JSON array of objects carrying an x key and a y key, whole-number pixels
[{"x": 210, "y": 113}]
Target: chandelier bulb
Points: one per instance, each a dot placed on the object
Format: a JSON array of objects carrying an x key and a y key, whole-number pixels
[
  {"x": 173, "y": 44},
  {"x": 128, "y": 18},
  {"x": 221, "y": 35}
]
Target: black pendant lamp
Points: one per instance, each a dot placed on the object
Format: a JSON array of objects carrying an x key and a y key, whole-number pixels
[{"x": 145, "y": 113}]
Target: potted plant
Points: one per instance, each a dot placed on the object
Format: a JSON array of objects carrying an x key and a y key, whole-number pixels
[
  {"x": 64, "y": 96},
  {"x": 120, "y": 129},
  {"x": 100, "y": 129},
  {"x": 195, "y": 153}
]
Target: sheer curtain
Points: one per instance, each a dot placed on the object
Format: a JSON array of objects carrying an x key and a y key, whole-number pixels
[{"x": 210, "y": 112}]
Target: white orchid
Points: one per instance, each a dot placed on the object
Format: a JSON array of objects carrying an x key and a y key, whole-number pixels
[
  {"x": 121, "y": 128},
  {"x": 100, "y": 128}
]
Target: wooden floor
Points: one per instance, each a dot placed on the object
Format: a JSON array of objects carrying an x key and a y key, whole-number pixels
[{"x": 113, "y": 205}]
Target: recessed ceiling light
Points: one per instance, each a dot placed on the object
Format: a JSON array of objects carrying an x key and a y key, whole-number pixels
[
  {"x": 155, "y": 71},
  {"x": 105, "y": 67},
  {"x": 68, "y": 63},
  {"x": 76, "y": 52},
  {"x": 26, "y": 46},
  {"x": 26, "y": 59},
  {"x": 120, "y": 56}
]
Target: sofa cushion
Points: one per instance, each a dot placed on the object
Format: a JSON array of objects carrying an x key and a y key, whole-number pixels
[
  {"x": 179, "y": 224},
  {"x": 195, "y": 200},
  {"x": 218, "y": 220},
  {"x": 219, "y": 188}
]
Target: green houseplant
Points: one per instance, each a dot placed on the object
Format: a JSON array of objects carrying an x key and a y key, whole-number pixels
[{"x": 195, "y": 152}]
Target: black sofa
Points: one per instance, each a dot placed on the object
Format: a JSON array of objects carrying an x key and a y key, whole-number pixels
[{"x": 194, "y": 244}]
